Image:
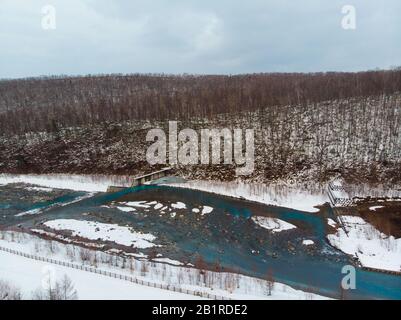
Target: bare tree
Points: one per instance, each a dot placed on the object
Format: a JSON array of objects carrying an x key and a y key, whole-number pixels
[
  {"x": 60, "y": 290},
  {"x": 85, "y": 254},
  {"x": 66, "y": 290},
  {"x": 9, "y": 291},
  {"x": 269, "y": 282}
]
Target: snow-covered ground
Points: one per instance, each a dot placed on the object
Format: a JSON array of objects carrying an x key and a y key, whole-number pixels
[
  {"x": 93, "y": 230},
  {"x": 290, "y": 197},
  {"x": 27, "y": 274},
  {"x": 89, "y": 183},
  {"x": 373, "y": 248},
  {"x": 273, "y": 224}
]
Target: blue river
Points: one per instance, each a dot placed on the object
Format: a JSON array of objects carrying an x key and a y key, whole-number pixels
[{"x": 319, "y": 272}]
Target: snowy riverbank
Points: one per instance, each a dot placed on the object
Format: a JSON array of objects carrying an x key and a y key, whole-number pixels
[
  {"x": 279, "y": 194},
  {"x": 275, "y": 194},
  {"x": 88, "y": 183},
  {"x": 363, "y": 241}
]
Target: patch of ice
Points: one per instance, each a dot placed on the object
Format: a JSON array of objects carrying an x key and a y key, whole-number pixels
[
  {"x": 158, "y": 206},
  {"x": 126, "y": 209},
  {"x": 139, "y": 204},
  {"x": 273, "y": 224},
  {"x": 179, "y": 205},
  {"x": 206, "y": 210},
  {"x": 308, "y": 242}
]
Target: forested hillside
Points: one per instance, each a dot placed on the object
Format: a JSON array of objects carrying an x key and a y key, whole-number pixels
[{"x": 307, "y": 126}]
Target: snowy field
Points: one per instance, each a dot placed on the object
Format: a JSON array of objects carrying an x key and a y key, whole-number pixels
[
  {"x": 373, "y": 248},
  {"x": 28, "y": 274}
]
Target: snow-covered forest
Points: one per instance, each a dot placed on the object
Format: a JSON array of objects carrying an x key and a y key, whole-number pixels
[{"x": 307, "y": 126}]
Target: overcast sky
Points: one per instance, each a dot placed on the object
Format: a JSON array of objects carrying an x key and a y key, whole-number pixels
[{"x": 196, "y": 36}]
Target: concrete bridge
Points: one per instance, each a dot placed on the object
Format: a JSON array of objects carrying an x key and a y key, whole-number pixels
[
  {"x": 137, "y": 181},
  {"x": 150, "y": 176}
]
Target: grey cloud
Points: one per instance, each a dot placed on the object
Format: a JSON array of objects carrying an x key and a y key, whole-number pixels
[{"x": 176, "y": 36}]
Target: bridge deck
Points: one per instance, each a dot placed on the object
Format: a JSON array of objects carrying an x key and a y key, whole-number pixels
[{"x": 150, "y": 176}]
